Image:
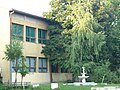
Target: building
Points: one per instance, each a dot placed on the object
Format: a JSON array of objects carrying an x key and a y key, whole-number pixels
[{"x": 32, "y": 30}]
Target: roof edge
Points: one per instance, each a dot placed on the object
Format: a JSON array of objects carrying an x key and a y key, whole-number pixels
[{"x": 30, "y": 15}]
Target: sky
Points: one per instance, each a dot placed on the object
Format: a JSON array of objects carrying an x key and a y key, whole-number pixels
[{"x": 35, "y": 7}]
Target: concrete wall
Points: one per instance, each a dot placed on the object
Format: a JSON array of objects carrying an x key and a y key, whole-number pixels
[
  {"x": 61, "y": 77},
  {"x": 33, "y": 78},
  {"x": 4, "y": 39},
  {"x": 32, "y": 49}
]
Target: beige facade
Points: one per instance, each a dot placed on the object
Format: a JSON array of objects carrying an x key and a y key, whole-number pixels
[
  {"x": 4, "y": 39},
  {"x": 31, "y": 49}
]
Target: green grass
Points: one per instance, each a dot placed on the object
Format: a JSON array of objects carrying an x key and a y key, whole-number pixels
[
  {"x": 75, "y": 87},
  {"x": 71, "y": 87},
  {"x": 61, "y": 87}
]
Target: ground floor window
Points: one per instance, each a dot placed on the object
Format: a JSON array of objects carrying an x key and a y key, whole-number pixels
[
  {"x": 58, "y": 69},
  {"x": 54, "y": 68},
  {"x": 42, "y": 65},
  {"x": 31, "y": 64},
  {"x": 13, "y": 65}
]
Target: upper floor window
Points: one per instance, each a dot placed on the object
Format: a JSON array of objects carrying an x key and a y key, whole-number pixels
[
  {"x": 31, "y": 64},
  {"x": 30, "y": 34},
  {"x": 17, "y": 31},
  {"x": 42, "y": 36},
  {"x": 42, "y": 65}
]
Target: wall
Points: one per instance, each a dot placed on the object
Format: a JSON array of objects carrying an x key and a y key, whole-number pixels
[
  {"x": 33, "y": 78},
  {"x": 4, "y": 39},
  {"x": 61, "y": 77},
  {"x": 32, "y": 49}
]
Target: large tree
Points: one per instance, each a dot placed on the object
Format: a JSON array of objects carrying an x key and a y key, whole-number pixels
[
  {"x": 76, "y": 18},
  {"x": 87, "y": 26}
]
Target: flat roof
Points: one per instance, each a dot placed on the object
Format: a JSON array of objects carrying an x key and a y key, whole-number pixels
[{"x": 31, "y": 15}]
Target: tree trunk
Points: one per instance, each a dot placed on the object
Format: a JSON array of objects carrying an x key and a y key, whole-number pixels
[
  {"x": 15, "y": 79},
  {"x": 22, "y": 84},
  {"x": 50, "y": 71},
  {"x": 21, "y": 80},
  {"x": 16, "y": 73}
]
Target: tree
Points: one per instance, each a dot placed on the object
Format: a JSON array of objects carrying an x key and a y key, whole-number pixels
[
  {"x": 109, "y": 18},
  {"x": 79, "y": 24},
  {"x": 13, "y": 53},
  {"x": 113, "y": 38},
  {"x": 91, "y": 28},
  {"x": 23, "y": 69},
  {"x": 54, "y": 48}
]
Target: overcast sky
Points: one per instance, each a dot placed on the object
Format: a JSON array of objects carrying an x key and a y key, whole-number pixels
[{"x": 36, "y": 7}]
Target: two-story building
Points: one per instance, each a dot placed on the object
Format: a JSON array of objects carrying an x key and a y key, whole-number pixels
[{"x": 32, "y": 31}]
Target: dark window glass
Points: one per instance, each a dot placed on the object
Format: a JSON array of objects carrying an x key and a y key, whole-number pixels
[
  {"x": 54, "y": 68},
  {"x": 42, "y": 36},
  {"x": 13, "y": 65},
  {"x": 31, "y": 64},
  {"x": 30, "y": 34},
  {"x": 17, "y": 31},
  {"x": 42, "y": 65}
]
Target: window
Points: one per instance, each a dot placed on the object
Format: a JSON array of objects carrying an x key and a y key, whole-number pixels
[
  {"x": 54, "y": 68},
  {"x": 64, "y": 70},
  {"x": 31, "y": 64},
  {"x": 42, "y": 36},
  {"x": 30, "y": 34},
  {"x": 17, "y": 31},
  {"x": 13, "y": 65},
  {"x": 42, "y": 65}
]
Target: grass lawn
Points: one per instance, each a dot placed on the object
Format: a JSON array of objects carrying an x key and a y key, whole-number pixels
[
  {"x": 64, "y": 87},
  {"x": 61, "y": 87},
  {"x": 70, "y": 87}
]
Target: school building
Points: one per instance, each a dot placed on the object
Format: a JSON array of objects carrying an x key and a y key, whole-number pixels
[{"x": 32, "y": 30}]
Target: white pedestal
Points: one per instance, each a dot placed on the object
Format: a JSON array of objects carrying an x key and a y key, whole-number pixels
[{"x": 54, "y": 86}]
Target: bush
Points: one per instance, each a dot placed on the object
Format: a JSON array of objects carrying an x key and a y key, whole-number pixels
[{"x": 102, "y": 74}]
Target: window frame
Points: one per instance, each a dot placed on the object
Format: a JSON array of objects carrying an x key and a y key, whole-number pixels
[
  {"x": 41, "y": 40},
  {"x": 30, "y": 67},
  {"x": 29, "y": 37},
  {"x": 41, "y": 69},
  {"x": 17, "y": 30}
]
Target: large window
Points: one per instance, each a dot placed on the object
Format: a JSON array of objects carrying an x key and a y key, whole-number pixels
[
  {"x": 31, "y": 64},
  {"x": 42, "y": 65},
  {"x": 42, "y": 36},
  {"x": 30, "y": 34},
  {"x": 17, "y": 31},
  {"x": 13, "y": 66},
  {"x": 55, "y": 69}
]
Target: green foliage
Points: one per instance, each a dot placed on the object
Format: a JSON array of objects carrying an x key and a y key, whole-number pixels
[
  {"x": 54, "y": 49},
  {"x": 89, "y": 34},
  {"x": 79, "y": 23},
  {"x": 13, "y": 53},
  {"x": 111, "y": 49},
  {"x": 23, "y": 67},
  {"x": 103, "y": 74}
]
